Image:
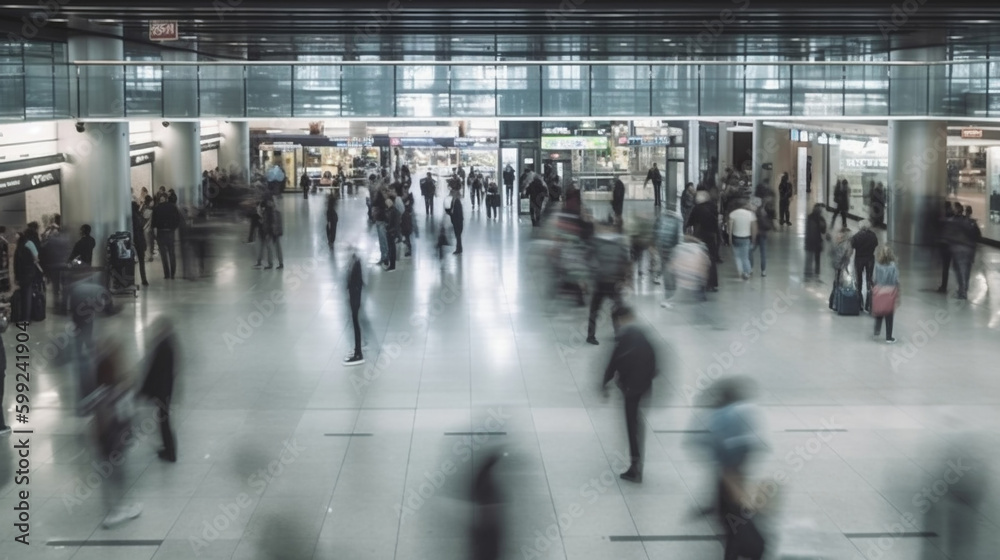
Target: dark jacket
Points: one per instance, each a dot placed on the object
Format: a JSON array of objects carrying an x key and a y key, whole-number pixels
[
  {"x": 457, "y": 214},
  {"x": 392, "y": 221},
  {"x": 508, "y": 176},
  {"x": 427, "y": 186},
  {"x": 138, "y": 237},
  {"x": 815, "y": 230},
  {"x": 704, "y": 220},
  {"x": 785, "y": 190},
  {"x": 842, "y": 195},
  {"x": 654, "y": 176},
  {"x": 159, "y": 383},
  {"x": 84, "y": 250},
  {"x": 166, "y": 216},
  {"x": 864, "y": 243},
  {"x": 687, "y": 203},
  {"x": 634, "y": 360},
  {"x": 618, "y": 197},
  {"x": 355, "y": 282}
]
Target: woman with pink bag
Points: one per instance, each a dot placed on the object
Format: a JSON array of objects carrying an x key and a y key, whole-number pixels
[{"x": 885, "y": 293}]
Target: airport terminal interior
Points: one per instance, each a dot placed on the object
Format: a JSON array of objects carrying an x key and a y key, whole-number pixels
[{"x": 574, "y": 280}]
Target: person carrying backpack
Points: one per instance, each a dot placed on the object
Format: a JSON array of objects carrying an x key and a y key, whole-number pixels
[{"x": 765, "y": 223}]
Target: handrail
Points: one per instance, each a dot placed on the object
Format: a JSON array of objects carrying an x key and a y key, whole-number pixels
[{"x": 526, "y": 63}]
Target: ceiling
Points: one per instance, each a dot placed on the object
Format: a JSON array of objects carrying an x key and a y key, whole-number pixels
[{"x": 594, "y": 29}]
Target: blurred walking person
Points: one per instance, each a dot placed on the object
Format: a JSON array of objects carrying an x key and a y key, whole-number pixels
[
  {"x": 332, "y": 219},
  {"x": 427, "y": 190},
  {"x": 112, "y": 408},
  {"x": 704, "y": 224},
  {"x": 167, "y": 219},
  {"x": 784, "y": 201},
  {"x": 815, "y": 230},
  {"x": 455, "y": 211},
  {"x": 159, "y": 384},
  {"x": 488, "y": 518},
  {"x": 355, "y": 283},
  {"x": 633, "y": 360},
  {"x": 611, "y": 267},
  {"x": 271, "y": 230},
  {"x": 654, "y": 175},
  {"x": 944, "y": 249},
  {"x": 840, "y": 259},
  {"x": 139, "y": 240},
  {"x": 864, "y": 244}
]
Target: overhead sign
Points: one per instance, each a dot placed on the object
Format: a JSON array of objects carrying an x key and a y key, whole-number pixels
[
  {"x": 163, "y": 31},
  {"x": 476, "y": 142},
  {"x": 213, "y": 145},
  {"x": 22, "y": 183},
  {"x": 972, "y": 133},
  {"x": 866, "y": 163},
  {"x": 574, "y": 142},
  {"x": 645, "y": 140},
  {"x": 142, "y": 159}
]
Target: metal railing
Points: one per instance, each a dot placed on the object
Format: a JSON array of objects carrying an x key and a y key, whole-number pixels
[{"x": 513, "y": 90}]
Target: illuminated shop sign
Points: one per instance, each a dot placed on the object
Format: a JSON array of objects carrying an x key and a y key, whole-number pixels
[
  {"x": 974, "y": 133},
  {"x": 480, "y": 142},
  {"x": 866, "y": 163},
  {"x": 645, "y": 140},
  {"x": 142, "y": 159},
  {"x": 574, "y": 143},
  {"x": 22, "y": 183}
]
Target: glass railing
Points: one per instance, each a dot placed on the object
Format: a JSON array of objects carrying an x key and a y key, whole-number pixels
[{"x": 116, "y": 90}]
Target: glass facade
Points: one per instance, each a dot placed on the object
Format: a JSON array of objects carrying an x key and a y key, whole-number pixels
[{"x": 36, "y": 82}]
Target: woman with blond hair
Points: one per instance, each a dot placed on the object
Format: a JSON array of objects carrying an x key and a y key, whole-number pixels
[{"x": 885, "y": 292}]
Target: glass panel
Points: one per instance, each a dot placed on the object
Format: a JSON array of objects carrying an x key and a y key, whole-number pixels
[
  {"x": 101, "y": 91},
  {"x": 269, "y": 91},
  {"x": 675, "y": 90},
  {"x": 519, "y": 91},
  {"x": 908, "y": 94},
  {"x": 11, "y": 91},
  {"x": 473, "y": 91},
  {"x": 422, "y": 91},
  {"x": 143, "y": 90},
  {"x": 994, "y": 91},
  {"x": 722, "y": 90},
  {"x": 768, "y": 90},
  {"x": 39, "y": 96},
  {"x": 317, "y": 91},
  {"x": 180, "y": 91},
  {"x": 964, "y": 94},
  {"x": 221, "y": 91},
  {"x": 866, "y": 90},
  {"x": 620, "y": 90},
  {"x": 565, "y": 90},
  {"x": 818, "y": 90},
  {"x": 61, "y": 78},
  {"x": 368, "y": 91}
]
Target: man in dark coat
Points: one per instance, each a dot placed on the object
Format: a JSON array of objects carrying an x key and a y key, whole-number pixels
[
  {"x": 427, "y": 189},
  {"x": 618, "y": 200},
  {"x": 159, "y": 384},
  {"x": 634, "y": 361},
  {"x": 703, "y": 221},
  {"x": 457, "y": 220},
  {"x": 815, "y": 230}
]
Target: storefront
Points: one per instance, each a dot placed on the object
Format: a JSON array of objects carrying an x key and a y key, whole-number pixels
[
  {"x": 322, "y": 157},
  {"x": 663, "y": 146},
  {"x": 29, "y": 197},
  {"x": 588, "y": 160},
  {"x": 209, "y": 153},
  {"x": 864, "y": 164},
  {"x": 141, "y": 164},
  {"x": 974, "y": 175},
  {"x": 481, "y": 153}
]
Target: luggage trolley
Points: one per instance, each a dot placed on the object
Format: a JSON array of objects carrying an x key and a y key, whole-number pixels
[{"x": 121, "y": 265}]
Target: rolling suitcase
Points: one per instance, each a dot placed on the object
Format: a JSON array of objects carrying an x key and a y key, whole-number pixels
[
  {"x": 17, "y": 308},
  {"x": 38, "y": 302},
  {"x": 847, "y": 300},
  {"x": 121, "y": 264}
]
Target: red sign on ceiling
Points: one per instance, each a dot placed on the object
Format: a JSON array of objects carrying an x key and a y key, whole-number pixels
[{"x": 163, "y": 31}]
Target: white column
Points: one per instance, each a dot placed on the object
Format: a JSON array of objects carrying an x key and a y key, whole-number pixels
[
  {"x": 100, "y": 92},
  {"x": 759, "y": 156},
  {"x": 178, "y": 160},
  {"x": 693, "y": 151},
  {"x": 918, "y": 178},
  {"x": 234, "y": 148},
  {"x": 96, "y": 182}
]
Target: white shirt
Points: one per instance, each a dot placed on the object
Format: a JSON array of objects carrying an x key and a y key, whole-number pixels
[{"x": 742, "y": 220}]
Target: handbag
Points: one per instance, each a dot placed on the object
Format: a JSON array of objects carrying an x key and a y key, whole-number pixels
[{"x": 884, "y": 300}]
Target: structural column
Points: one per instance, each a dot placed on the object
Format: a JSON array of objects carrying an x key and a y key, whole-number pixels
[
  {"x": 234, "y": 149},
  {"x": 178, "y": 161},
  {"x": 759, "y": 157},
  {"x": 918, "y": 179},
  {"x": 694, "y": 153},
  {"x": 96, "y": 182},
  {"x": 918, "y": 150}
]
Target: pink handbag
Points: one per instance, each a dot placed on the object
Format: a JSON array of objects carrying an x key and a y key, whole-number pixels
[{"x": 884, "y": 300}]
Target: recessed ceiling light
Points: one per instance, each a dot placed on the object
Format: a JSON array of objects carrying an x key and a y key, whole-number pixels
[
  {"x": 622, "y": 44},
  {"x": 456, "y": 39},
  {"x": 666, "y": 40}
]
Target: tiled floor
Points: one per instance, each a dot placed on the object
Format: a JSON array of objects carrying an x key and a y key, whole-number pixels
[{"x": 477, "y": 345}]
